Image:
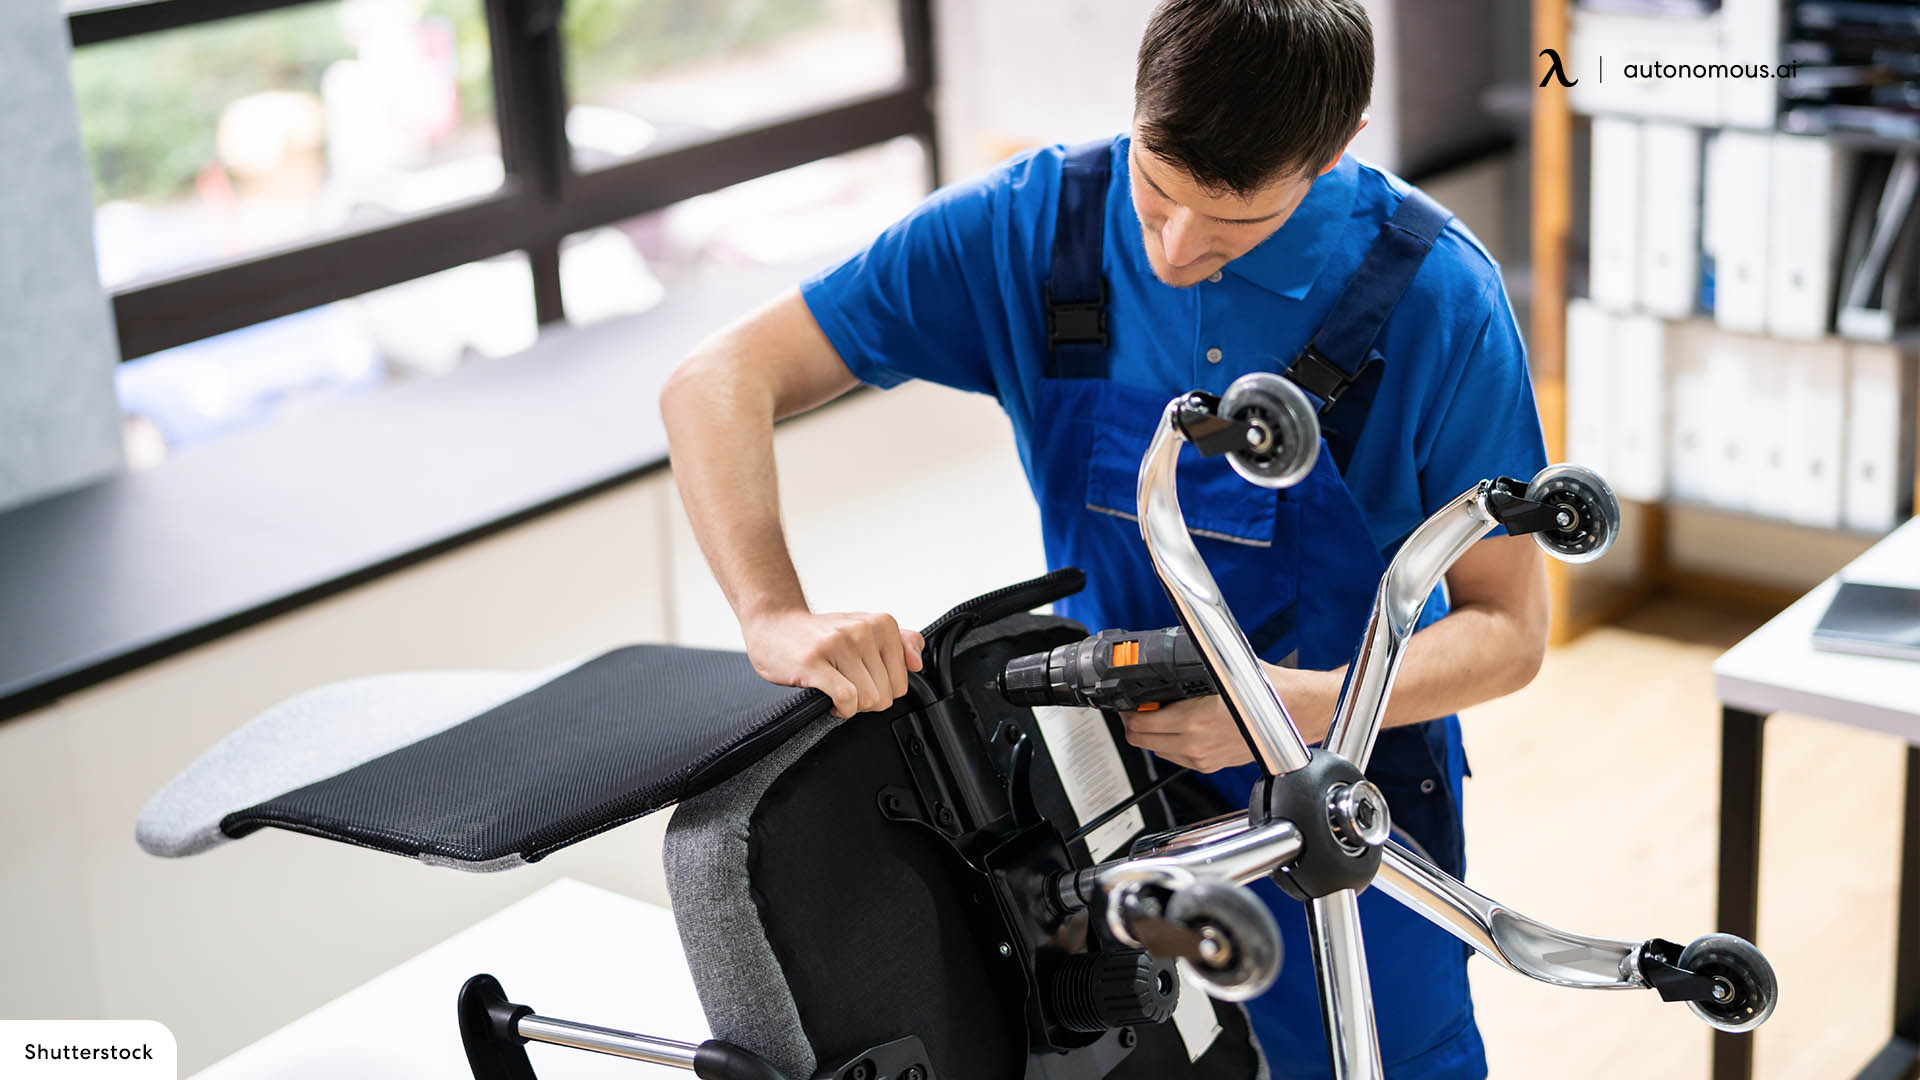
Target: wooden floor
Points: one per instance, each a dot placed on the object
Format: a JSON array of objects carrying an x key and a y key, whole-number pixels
[{"x": 1593, "y": 807}]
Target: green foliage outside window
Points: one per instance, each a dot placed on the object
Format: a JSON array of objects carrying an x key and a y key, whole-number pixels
[
  {"x": 610, "y": 41},
  {"x": 150, "y": 105}
]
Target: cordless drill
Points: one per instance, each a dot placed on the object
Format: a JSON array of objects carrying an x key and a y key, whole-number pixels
[{"x": 1114, "y": 669}]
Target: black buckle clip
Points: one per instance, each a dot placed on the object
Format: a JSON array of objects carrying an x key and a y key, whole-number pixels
[
  {"x": 1313, "y": 372},
  {"x": 1077, "y": 322}
]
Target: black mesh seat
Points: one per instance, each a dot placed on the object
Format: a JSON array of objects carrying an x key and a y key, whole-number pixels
[{"x": 614, "y": 739}]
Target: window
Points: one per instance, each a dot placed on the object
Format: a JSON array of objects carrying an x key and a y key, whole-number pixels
[
  {"x": 786, "y": 223},
  {"x": 650, "y": 74},
  {"x": 220, "y": 140},
  {"x": 195, "y": 393},
  {"x": 258, "y": 159}
]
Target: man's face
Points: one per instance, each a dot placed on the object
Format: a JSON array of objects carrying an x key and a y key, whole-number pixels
[{"x": 1191, "y": 232}]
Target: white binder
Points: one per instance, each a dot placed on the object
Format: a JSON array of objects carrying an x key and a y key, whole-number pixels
[
  {"x": 1808, "y": 214},
  {"x": 1816, "y": 433},
  {"x": 1766, "y": 430},
  {"x": 1690, "y": 448},
  {"x": 1879, "y": 446},
  {"x": 1589, "y": 386},
  {"x": 1737, "y": 205},
  {"x": 1637, "y": 413},
  {"x": 1726, "y": 402},
  {"x": 1749, "y": 34},
  {"x": 1615, "y": 228},
  {"x": 1670, "y": 221}
]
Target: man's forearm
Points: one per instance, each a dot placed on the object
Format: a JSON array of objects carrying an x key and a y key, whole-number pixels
[
  {"x": 719, "y": 408},
  {"x": 1491, "y": 644},
  {"x": 720, "y": 434},
  {"x": 1473, "y": 655}
]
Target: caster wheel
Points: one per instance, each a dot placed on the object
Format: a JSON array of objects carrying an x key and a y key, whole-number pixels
[
  {"x": 1239, "y": 941},
  {"x": 1746, "y": 977},
  {"x": 1589, "y": 513},
  {"x": 1289, "y": 429}
]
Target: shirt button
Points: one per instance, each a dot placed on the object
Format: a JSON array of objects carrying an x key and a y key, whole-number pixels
[
  {"x": 1213, "y": 356},
  {"x": 1426, "y": 787},
  {"x": 1214, "y": 277}
]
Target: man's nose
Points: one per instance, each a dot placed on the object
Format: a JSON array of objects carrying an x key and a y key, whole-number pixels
[{"x": 1182, "y": 238}]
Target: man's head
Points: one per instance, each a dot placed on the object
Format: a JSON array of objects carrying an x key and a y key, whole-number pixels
[{"x": 1238, "y": 105}]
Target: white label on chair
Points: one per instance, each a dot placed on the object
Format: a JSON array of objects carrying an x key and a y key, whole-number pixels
[
  {"x": 87, "y": 1049},
  {"x": 1092, "y": 772},
  {"x": 1193, "y": 1017}
]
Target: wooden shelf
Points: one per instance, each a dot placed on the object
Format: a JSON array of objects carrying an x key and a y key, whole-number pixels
[{"x": 1577, "y": 610}]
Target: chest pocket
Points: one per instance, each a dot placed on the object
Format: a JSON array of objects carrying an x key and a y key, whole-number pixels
[
  {"x": 1216, "y": 502},
  {"x": 1248, "y": 535}
]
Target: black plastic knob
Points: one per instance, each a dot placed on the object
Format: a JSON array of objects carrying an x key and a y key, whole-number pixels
[{"x": 1098, "y": 991}]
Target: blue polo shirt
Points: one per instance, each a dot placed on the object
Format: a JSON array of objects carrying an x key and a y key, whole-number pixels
[{"x": 952, "y": 293}]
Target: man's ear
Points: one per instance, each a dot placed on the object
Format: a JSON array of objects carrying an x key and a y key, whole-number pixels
[{"x": 1364, "y": 117}]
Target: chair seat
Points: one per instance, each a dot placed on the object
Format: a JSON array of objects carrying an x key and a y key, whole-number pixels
[{"x": 483, "y": 770}]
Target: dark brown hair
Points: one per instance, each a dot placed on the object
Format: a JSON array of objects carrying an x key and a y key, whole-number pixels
[{"x": 1241, "y": 93}]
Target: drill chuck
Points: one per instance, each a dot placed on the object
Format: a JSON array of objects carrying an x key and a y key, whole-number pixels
[{"x": 1028, "y": 680}]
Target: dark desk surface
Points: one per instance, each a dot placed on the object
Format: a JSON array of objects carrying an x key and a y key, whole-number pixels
[{"x": 101, "y": 580}]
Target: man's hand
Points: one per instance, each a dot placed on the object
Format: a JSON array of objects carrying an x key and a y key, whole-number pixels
[
  {"x": 859, "y": 659},
  {"x": 1199, "y": 733}
]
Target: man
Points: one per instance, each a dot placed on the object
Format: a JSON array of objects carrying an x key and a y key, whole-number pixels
[{"x": 1221, "y": 237}]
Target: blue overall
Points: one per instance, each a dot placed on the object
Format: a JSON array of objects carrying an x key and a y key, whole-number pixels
[{"x": 1005, "y": 286}]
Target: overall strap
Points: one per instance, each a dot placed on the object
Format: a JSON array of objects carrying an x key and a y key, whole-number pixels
[
  {"x": 1076, "y": 293},
  {"x": 1338, "y": 367}
]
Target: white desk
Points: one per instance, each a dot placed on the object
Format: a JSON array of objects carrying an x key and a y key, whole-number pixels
[
  {"x": 1777, "y": 669},
  {"x": 569, "y": 950}
]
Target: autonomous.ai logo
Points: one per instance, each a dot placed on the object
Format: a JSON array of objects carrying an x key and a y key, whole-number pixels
[
  {"x": 1639, "y": 68},
  {"x": 1555, "y": 69},
  {"x": 1659, "y": 71}
]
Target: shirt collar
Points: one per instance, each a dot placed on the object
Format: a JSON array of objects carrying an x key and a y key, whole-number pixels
[{"x": 1290, "y": 261}]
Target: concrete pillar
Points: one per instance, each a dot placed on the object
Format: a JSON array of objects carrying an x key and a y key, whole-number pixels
[{"x": 59, "y": 419}]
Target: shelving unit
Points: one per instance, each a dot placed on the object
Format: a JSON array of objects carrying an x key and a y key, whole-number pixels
[{"x": 1582, "y": 601}]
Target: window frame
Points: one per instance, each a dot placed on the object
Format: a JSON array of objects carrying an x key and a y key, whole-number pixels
[{"x": 542, "y": 200}]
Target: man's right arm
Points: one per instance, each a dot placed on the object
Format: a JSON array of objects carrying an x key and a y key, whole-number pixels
[{"x": 719, "y": 407}]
